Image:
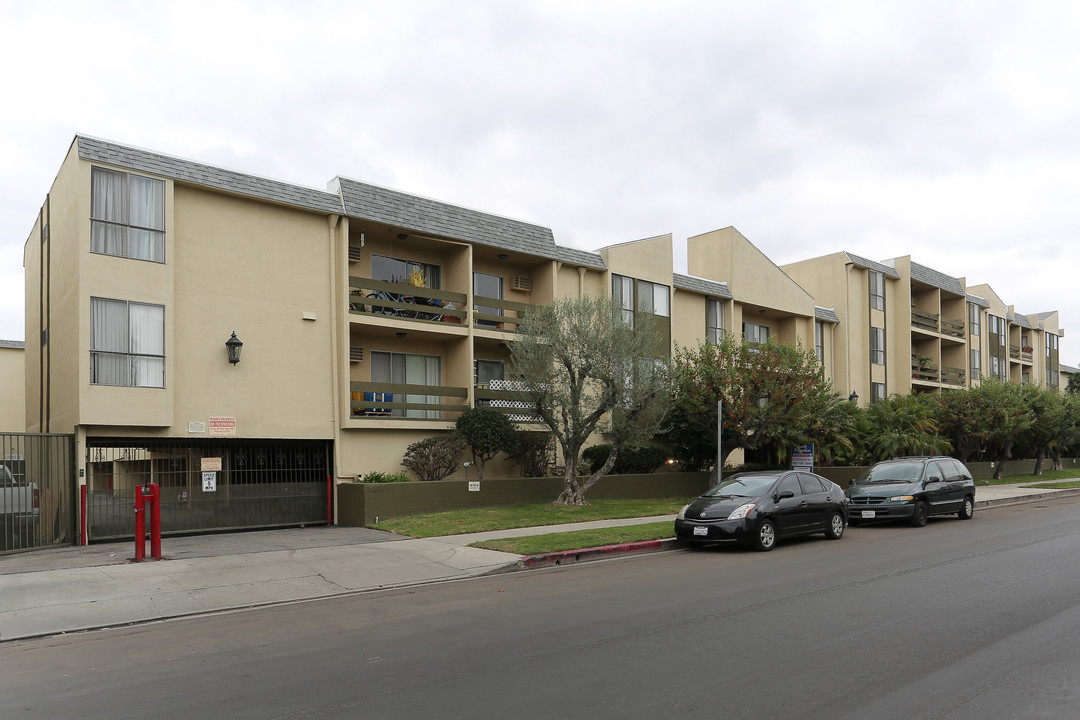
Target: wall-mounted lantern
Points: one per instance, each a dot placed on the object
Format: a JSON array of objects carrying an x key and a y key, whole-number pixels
[{"x": 233, "y": 345}]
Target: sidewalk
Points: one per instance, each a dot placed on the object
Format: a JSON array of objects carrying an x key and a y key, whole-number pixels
[{"x": 56, "y": 591}]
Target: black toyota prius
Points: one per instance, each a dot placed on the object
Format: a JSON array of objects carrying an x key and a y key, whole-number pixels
[{"x": 758, "y": 508}]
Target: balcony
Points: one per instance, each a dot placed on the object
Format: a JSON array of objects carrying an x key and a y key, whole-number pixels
[
  {"x": 924, "y": 320},
  {"x": 412, "y": 402},
  {"x": 1020, "y": 352},
  {"x": 953, "y": 375},
  {"x": 924, "y": 369},
  {"x": 952, "y": 326},
  {"x": 506, "y": 397},
  {"x": 378, "y": 298},
  {"x": 511, "y": 311}
]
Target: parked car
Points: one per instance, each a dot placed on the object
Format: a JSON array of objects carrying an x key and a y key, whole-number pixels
[
  {"x": 758, "y": 508},
  {"x": 912, "y": 489}
]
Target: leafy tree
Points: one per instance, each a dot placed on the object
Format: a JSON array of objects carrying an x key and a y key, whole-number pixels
[
  {"x": 902, "y": 425},
  {"x": 581, "y": 364},
  {"x": 487, "y": 432},
  {"x": 1074, "y": 384},
  {"x": 1008, "y": 416},
  {"x": 1068, "y": 431},
  {"x": 964, "y": 418},
  {"x": 1047, "y": 408},
  {"x": 434, "y": 458},
  {"x": 774, "y": 395},
  {"x": 632, "y": 459}
]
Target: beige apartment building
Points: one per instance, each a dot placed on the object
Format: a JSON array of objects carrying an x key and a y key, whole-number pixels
[
  {"x": 366, "y": 319},
  {"x": 12, "y": 379}
]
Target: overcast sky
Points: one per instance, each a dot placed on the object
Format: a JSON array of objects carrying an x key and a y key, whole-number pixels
[{"x": 949, "y": 132}]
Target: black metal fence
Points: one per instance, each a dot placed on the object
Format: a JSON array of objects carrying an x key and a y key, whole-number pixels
[
  {"x": 206, "y": 485},
  {"x": 37, "y": 491}
]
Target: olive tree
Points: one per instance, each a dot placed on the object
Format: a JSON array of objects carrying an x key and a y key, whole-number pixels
[{"x": 585, "y": 370}]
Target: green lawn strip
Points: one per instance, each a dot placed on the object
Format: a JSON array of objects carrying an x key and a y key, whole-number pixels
[
  {"x": 580, "y": 539},
  {"x": 1055, "y": 485},
  {"x": 457, "y": 522},
  {"x": 1073, "y": 474}
]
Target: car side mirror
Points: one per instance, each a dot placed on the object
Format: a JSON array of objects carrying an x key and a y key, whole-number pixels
[
  {"x": 783, "y": 494},
  {"x": 933, "y": 480}
]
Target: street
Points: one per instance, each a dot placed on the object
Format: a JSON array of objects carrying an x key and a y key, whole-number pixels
[{"x": 957, "y": 620}]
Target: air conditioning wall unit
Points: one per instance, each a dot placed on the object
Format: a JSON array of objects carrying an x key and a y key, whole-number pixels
[
  {"x": 521, "y": 284},
  {"x": 356, "y": 354}
]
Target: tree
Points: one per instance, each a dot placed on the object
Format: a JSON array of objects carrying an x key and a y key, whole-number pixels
[
  {"x": 1008, "y": 417},
  {"x": 581, "y": 363},
  {"x": 902, "y": 425},
  {"x": 1047, "y": 408},
  {"x": 774, "y": 395},
  {"x": 532, "y": 452},
  {"x": 487, "y": 432},
  {"x": 1074, "y": 384}
]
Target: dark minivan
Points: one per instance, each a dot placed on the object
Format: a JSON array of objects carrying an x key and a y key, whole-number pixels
[{"x": 912, "y": 489}]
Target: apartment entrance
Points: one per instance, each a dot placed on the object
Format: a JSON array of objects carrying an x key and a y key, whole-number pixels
[{"x": 206, "y": 486}]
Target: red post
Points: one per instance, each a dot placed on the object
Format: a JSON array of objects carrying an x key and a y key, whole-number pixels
[
  {"x": 149, "y": 494},
  {"x": 82, "y": 515},
  {"x": 140, "y": 525}
]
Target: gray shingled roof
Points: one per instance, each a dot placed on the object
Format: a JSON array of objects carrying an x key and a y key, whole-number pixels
[
  {"x": 976, "y": 300},
  {"x": 580, "y": 257},
  {"x": 1068, "y": 369},
  {"x": 13, "y": 344},
  {"x": 871, "y": 265},
  {"x": 166, "y": 166},
  {"x": 422, "y": 215},
  {"x": 1021, "y": 320},
  {"x": 936, "y": 279},
  {"x": 701, "y": 285},
  {"x": 826, "y": 314}
]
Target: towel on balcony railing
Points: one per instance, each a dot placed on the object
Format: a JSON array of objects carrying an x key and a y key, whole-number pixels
[
  {"x": 378, "y": 397},
  {"x": 518, "y": 386}
]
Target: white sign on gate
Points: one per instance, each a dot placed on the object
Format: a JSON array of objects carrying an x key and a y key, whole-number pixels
[
  {"x": 802, "y": 458},
  {"x": 209, "y": 482}
]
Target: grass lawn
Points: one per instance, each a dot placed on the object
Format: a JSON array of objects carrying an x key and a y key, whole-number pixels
[
  {"x": 457, "y": 522},
  {"x": 1047, "y": 475},
  {"x": 580, "y": 539}
]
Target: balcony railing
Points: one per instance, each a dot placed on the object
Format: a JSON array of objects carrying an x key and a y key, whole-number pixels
[
  {"x": 952, "y": 326},
  {"x": 924, "y": 371},
  {"x": 402, "y": 300},
  {"x": 506, "y": 321},
  {"x": 402, "y": 401},
  {"x": 515, "y": 403},
  {"x": 924, "y": 320},
  {"x": 1021, "y": 353},
  {"x": 953, "y": 375}
]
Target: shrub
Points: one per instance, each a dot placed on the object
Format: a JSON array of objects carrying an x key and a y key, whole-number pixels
[
  {"x": 378, "y": 476},
  {"x": 632, "y": 458},
  {"x": 434, "y": 458},
  {"x": 533, "y": 453},
  {"x": 487, "y": 432}
]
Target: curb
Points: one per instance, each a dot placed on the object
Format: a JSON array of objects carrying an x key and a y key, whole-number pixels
[
  {"x": 572, "y": 557},
  {"x": 1021, "y": 499}
]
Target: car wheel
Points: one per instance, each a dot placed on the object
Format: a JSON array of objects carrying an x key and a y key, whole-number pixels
[
  {"x": 765, "y": 540},
  {"x": 967, "y": 509},
  {"x": 919, "y": 514},
  {"x": 836, "y": 527}
]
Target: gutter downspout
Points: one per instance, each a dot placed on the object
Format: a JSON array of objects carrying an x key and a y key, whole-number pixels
[{"x": 333, "y": 222}]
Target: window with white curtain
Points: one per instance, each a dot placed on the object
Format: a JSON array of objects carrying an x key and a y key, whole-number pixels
[
  {"x": 622, "y": 292},
  {"x": 127, "y": 215},
  {"x": 127, "y": 343},
  {"x": 409, "y": 369},
  {"x": 877, "y": 346}
]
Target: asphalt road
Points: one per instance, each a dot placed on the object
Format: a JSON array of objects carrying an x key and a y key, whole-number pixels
[{"x": 957, "y": 620}]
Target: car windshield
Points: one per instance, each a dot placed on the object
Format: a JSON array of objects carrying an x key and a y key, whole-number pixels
[
  {"x": 742, "y": 486},
  {"x": 907, "y": 472}
]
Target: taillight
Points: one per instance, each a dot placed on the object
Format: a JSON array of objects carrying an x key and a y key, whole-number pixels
[{"x": 37, "y": 499}]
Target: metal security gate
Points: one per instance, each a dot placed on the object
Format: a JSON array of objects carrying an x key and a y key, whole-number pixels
[
  {"x": 252, "y": 484},
  {"x": 37, "y": 490}
]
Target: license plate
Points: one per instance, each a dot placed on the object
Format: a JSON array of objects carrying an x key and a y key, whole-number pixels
[
  {"x": 701, "y": 531},
  {"x": 869, "y": 514}
]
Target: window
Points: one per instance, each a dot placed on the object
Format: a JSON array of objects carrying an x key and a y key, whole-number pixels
[
  {"x": 408, "y": 369},
  {"x": 127, "y": 215},
  {"x": 755, "y": 333},
  {"x": 976, "y": 365},
  {"x": 622, "y": 291},
  {"x": 997, "y": 327},
  {"x": 819, "y": 340},
  {"x": 484, "y": 371},
  {"x": 791, "y": 482},
  {"x": 877, "y": 346},
  {"x": 653, "y": 298},
  {"x": 714, "y": 320},
  {"x": 127, "y": 343},
  {"x": 974, "y": 315},
  {"x": 877, "y": 290},
  {"x": 489, "y": 286},
  {"x": 399, "y": 270},
  {"x": 877, "y": 392}
]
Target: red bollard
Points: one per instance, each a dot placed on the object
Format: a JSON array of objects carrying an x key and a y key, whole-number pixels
[{"x": 148, "y": 494}]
